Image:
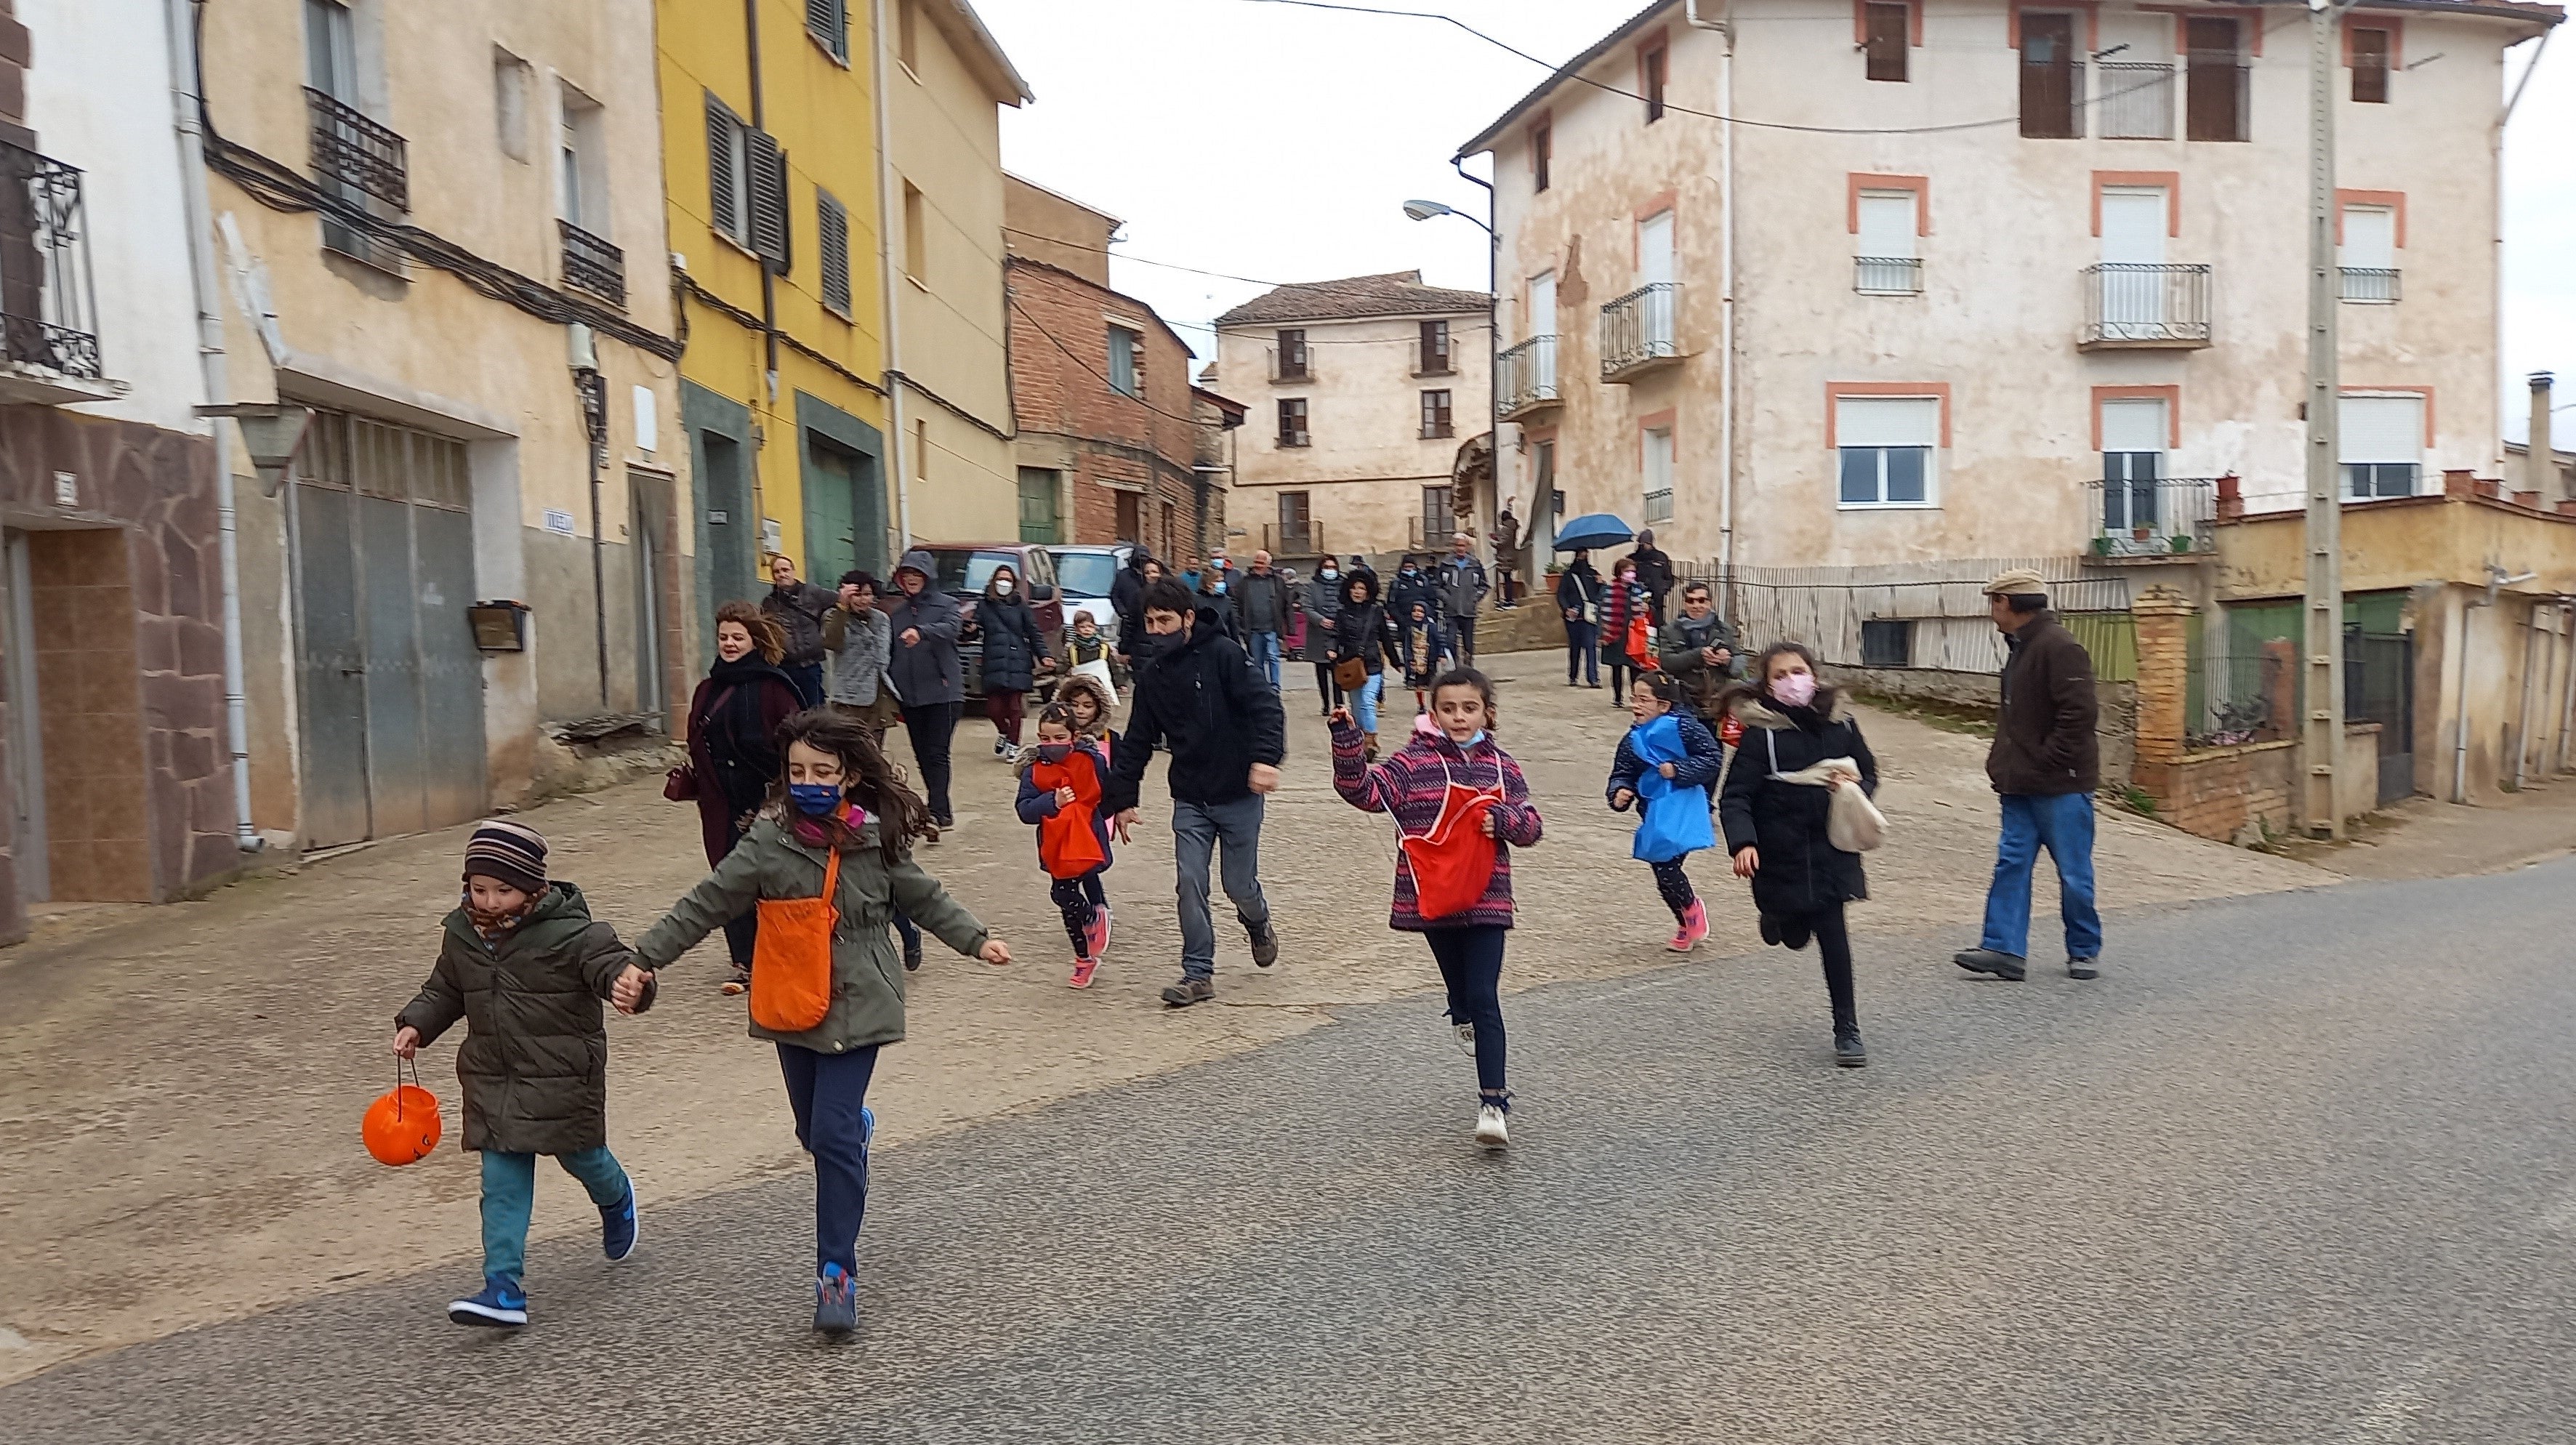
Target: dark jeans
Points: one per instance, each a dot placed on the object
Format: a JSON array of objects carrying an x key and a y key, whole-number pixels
[
  {"x": 1324, "y": 686},
  {"x": 1197, "y": 831},
  {"x": 1462, "y": 639},
  {"x": 808, "y": 677},
  {"x": 930, "y": 725},
  {"x": 1007, "y": 708},
  {"x": 1580, "y": 653},
  {"x": 906, "y": 930},
  {"x": 1471, "y": 963},
  {"x": 1622, "y": 673},
  {"x": 742, "y": 930},
  {"x": 1833, "y": 944},
  {"x": 827, "y": 1092}
]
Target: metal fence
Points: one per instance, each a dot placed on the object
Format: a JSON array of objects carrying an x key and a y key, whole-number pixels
[{"x": 1948, "y": 624}]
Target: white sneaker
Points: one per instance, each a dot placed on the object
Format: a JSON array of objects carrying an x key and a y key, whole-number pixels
[
  {"x": 1491, "y": 1131},
  {"x": 1467, "y": 1039}
]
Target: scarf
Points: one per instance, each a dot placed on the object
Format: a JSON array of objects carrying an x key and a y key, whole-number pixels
[
  {"x": 837, "y": 830},
  {"x": 493, "y": 927}
]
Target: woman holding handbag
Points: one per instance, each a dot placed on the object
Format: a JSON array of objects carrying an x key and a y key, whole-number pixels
[
  {"x": 1578, "y": 596},
  {"x": 733, "y": 749},
  {"x": 1461, "y": 806},
  {"x": 826, "y": 862},
  {"x": 1779, "y": 828},
  {"x": 1363, "y": 644}
]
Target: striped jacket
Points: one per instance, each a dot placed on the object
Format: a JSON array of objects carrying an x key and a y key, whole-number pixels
[{"x": 1411, "y": 785}]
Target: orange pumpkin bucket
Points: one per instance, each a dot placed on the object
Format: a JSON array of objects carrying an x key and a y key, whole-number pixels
[{"x": 402, "y": 1125}]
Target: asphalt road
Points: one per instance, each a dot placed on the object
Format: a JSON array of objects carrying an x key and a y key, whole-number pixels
[{"x": 2297, "y": 1169}]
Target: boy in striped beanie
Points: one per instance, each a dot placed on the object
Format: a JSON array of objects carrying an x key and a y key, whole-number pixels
[{"x": 527, "y": 968}]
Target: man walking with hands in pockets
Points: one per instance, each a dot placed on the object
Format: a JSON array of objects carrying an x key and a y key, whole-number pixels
[{"x": 2046, "y": 763}]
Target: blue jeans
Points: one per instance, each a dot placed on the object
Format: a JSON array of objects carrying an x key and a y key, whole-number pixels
[
  {"x": 1363, "y": 703},
  {"x": 1197, "y": 828},
  {"x": 1580, "y": 652},
  {"x": 1265, "y": 656},
  {"x": 827, "y": 1092},
  {"x": 510, "y": 1196},
  {"x": 2063, "y": 824}
]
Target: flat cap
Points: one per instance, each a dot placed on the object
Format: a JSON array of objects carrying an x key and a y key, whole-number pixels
[{"x": 2019, "y": 582}]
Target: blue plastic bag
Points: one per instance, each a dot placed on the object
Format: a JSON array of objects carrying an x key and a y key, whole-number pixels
[{"x": 1672, "y": 819}]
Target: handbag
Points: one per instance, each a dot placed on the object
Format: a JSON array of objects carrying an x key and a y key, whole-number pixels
[
  {"x": 1852, "y": 822},
  {"x": 1453, "y": 861},
  {"x": 791, "y": 962},
  {"x": 680, "y": 785},
  {"x": 1351, "y": 674}
]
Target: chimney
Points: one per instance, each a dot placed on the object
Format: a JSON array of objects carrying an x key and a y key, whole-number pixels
[{"x": 2540, "y": 463}]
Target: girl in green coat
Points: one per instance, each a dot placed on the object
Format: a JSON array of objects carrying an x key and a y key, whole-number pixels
[{"x": 837, "y": 794}]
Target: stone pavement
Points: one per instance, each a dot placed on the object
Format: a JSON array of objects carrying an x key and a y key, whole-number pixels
[{"x": 180, "y": 1087}]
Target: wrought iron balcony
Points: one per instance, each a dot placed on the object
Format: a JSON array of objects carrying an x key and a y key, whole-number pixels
[
  {"x": 358, "y": 153},
  {"x": 1888, "y": 275},
  {"x": 593, "y": 265},
  {"x": 48, "y": 306},
  {"x": 2153, "y": 516},
  {"x": 1637, "y": 331},
  {"x": 2144, "y": 306},
  {"x": 1525, "y": 378},
  {"x": 2369, "y": 284}
]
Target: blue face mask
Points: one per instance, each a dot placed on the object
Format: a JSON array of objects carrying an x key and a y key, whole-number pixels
[
  {"x": 814, "y": 799},
  {"x": 1471, "y": 742}
]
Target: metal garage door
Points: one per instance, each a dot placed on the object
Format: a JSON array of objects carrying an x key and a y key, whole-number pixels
[{"x": 390, "y": 682}]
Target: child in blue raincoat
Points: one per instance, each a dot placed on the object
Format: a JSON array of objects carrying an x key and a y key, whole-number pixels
[{"x": 1664, "y": 768}]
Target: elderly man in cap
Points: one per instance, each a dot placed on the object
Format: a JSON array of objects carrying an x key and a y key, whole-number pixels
[{"x": 2046, "y": 764}]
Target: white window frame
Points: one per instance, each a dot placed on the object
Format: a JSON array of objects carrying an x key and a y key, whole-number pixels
[
  {"x": 1647, "y": 437},
  {"x": 2349, "y": 454},
  {"x": 1932, "y": 450}
]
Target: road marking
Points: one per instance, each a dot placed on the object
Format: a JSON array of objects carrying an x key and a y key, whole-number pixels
[{"x": 2392, "y": 1407}]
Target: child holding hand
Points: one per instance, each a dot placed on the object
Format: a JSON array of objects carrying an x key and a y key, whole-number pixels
[
  {"x": 1060, "y": 795},
  {"x": 523, "y": 963},
  {"x": 1663, "y": 768}
]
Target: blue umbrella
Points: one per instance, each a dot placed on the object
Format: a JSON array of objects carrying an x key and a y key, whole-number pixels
[{"x": 1592, "y": 530}]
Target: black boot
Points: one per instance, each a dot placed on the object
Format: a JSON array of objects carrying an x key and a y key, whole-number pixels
[{"x": 1847, "y": 1047}]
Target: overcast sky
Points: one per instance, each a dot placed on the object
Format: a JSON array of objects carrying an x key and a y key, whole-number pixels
[{"x": 1278, "y": 143}]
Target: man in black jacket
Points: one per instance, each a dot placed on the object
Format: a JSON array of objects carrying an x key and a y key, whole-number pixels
[
  {"x": 1125, "y": 591},
  {"x": 1197, "y": 695},
  {"x": 799, "y": 608},
  {"x": 2045, "y": 762}
]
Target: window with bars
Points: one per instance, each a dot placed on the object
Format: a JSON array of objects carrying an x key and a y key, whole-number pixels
[
  {"x": 1435, "y": 416},
  {"x": 1292, "y": 421},
  {"x": 828, "y": 21},
  {"x": 832, "y": 245},
  {"x": 1883, "y": 40},
  {"x": 2370, "y": 53}
]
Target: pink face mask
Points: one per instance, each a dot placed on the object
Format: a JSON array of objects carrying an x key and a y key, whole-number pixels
[{"x": 1797, "y": 689}]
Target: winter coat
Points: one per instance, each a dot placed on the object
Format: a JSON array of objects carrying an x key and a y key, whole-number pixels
[
  {"x": 2044, "y": 740},
  {"x": 1460, "y": 583},
  {"x": 1013, "y": 646},
  {"x": 1261, "y": 603},
  {"x": 1323, "y": 604},
  {"x": 928, "y": 671},
  {"x": 1678, "y": 651},
  {"x": 1619, "y": 605},
  {"x": 1421, "y": 645},
  {"x": 856, "y": 646},
  {"x": 799, "y": 612},
  {"x": 1403, "y": 590},
  {"x": 1199, "y": 697},
  {"x": 1707, "y": 759},
  {"x": 1800, "y": 872},
  {"x": 1579, "y": 588},
  {"x": 1412, "y": 783},
  {"x": 1127, "y": 599},
  {"x": 1364, "y": 629},
  {"x": 534, "y": 1064},
  {"x": 1035, "y": 804},
  {"x": 867, "y": 973},
  {"x": 1654, "y": 571},
  {"x": 733, "y": 743}
]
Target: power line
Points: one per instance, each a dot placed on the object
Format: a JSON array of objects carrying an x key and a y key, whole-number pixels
[
  {"x": 1085, "y": 364},
  {"x": 1223, "y": 276},
  {"x": 1675, "y": 108}
]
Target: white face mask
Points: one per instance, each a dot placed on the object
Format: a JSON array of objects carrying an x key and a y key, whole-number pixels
[{"x": 1001, "y": 586}]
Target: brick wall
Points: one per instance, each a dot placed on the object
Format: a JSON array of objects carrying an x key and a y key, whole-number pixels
[
  {"x": 1111, "y": 441},
  {"x": 2223, "y": 793}
]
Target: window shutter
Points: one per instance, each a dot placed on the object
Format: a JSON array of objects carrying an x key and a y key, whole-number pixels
[
  {"x": 2382, "y": 429},
  {"x": 768, "y": 182},
  {"x": 1890, "y": 421},
  {"x": 721, "y": 180},
  {"x": 832, "y": 244},
  {"x": 2134, "y": 425},
  {"x": 1887, "y": 223},
  {"x": 2370, "y": 238},
  {"x": 830, "y": 22}
]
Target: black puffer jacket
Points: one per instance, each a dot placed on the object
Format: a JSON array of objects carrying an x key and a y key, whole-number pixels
[
  {"x": 1801, "y": 872},
  {"x": 534, "y": 1064},
  {"x": 1200, "y": 698},
  {"x": 1127, "y": 599},
  {"x": 1013, "y": 647},
  {"x": 1361, "y": 629}
]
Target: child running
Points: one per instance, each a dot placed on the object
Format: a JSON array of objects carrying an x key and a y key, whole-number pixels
[
  {"x": 1460, "y": 807},
  {"x": 1060, "y": 795},
  {"x": 837, "y": 811},
  {"x": 1663, "y": 768},
  {"x": 1425, "y": 644},
  {"x": 1775, "y": 824},
  {"x": 523, "y": 963}
]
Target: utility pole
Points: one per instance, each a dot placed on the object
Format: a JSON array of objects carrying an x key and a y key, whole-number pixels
[{"x": 2322, "y": 732}]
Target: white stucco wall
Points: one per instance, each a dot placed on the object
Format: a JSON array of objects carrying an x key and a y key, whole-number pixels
[{"x": 2010, "y": 231}]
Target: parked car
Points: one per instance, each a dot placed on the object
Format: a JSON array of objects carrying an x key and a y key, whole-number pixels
[
  {"x": 1084, "y": 574},
  {"x": 962, "y": 568}
]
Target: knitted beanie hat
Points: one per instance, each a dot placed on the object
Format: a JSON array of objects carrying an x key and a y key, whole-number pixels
[{"x": 511, "y": 852}]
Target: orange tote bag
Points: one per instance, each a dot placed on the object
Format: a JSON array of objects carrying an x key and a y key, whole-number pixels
[{"x": 791, "y": 962}]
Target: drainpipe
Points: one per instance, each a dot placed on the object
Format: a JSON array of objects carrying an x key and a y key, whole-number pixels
[
  {"x": 187, "y": 109},
  {"x": 768, "y": 285},
  {"x": 2567, "y": 682},
  {"x": 899, "y": 449},
  {"x": 1725, "y": 304}
]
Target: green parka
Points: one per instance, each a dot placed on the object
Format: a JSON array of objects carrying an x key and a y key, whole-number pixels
[
  {"x": 534, "y": 1064},
  {"x": 867, "y": 974}
]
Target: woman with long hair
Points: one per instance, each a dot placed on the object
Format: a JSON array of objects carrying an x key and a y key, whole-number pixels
[
  {"x": 1015, "y": 652},
  {"x": 835, "y": 809},
  {"x": 733, "y": 749}
]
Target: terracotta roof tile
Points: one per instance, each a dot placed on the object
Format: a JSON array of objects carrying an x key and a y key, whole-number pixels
[{"x": 1396, "y": 293}]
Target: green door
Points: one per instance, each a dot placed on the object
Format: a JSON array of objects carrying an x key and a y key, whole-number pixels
[
  {"x": 1037, "y": 506},
  {"x": 831, "y": 512}
]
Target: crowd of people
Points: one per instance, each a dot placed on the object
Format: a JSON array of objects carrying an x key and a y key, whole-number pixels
[{"x": 813, "y": 836}]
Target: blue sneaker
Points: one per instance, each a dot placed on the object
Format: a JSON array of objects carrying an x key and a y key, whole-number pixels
[
  {"x": 836, "y": 1305},
  {"x": 867, "y": 1133},
  {"x": 617, "y": 1226},
  {"x": 501, "y": 1305}
]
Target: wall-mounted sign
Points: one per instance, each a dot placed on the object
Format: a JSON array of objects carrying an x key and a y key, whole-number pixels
[
  {"x": 558, "y": 522},
  {"x": 66, "y": 489}
]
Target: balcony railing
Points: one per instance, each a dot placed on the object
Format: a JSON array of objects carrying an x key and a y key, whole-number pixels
[
  {"x": 48, "y": 308},
  {"x": 593, "y": 264},
  {"x": 2135, "y": 305},
  {"x": 1637, "y": 331},
  {"x": 358, "y": 153},
  {"x": 1525, "y": 377},
  {"x": 1887, "y": 275},
  {"x": 2133, "y": 101},
  {"x": 1287, "y": 541},
  {"x": 2153, "y": 516},
  {"x": 2369, "y": 284}
]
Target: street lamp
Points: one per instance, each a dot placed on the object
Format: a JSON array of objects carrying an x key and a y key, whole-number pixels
[{"x": 1426, "y": 210}]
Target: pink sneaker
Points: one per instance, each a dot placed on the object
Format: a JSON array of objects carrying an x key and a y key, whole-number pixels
[
  {"x": 1694, "y": 928},
  {"x": 1098, "y": 934},
  {"x": 1083, "y": 969}
]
